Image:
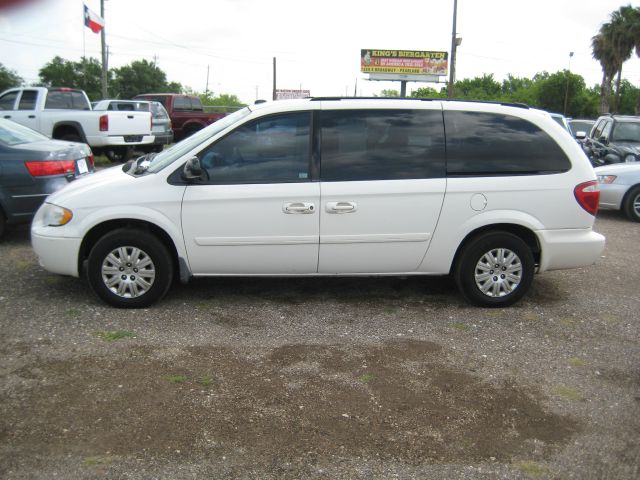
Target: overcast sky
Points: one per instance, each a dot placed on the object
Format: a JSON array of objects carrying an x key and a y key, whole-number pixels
[{"x": 317, "y": 43}]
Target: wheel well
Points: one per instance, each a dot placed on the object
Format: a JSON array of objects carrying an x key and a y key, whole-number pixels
[
  {"x": 523, "y": 233},
  {"x": 101, "y": 229},
  {"x": 626, "y": 195},
  {"x": 61, "y": 130}
]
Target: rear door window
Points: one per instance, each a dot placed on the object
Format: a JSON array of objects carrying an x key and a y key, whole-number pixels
[
  {"x": 385, "y": 144},
  {"x": 487, "y": 144}
]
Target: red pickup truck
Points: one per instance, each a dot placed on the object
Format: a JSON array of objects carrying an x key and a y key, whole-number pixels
[{"x": 186, "y": 112}]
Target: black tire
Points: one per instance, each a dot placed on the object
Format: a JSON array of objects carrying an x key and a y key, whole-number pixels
[
  {"x": 133, "y": 285},
  {"x": 3, "y": 224},
  {"x": 503, "y": 285},
  {"x": 632, "y": 204},
  {"x": 119, "y": 154}
]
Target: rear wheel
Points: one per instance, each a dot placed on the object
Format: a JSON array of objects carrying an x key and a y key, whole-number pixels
[
  {"x": 632, "y": 204},
  {"x": 130, "y": 268},
  {"x": 495, "y": 269},
  {"x": 119, "y": 154}
]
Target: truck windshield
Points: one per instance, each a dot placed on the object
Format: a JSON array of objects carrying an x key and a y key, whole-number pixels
[{"x": 167, "y": 157}]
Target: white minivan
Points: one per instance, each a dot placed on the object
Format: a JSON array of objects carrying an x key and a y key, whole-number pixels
[{"x": 489, "y": 193}]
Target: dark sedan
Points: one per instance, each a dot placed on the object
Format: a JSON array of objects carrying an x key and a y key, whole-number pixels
[{"x": 33, "y": 166}]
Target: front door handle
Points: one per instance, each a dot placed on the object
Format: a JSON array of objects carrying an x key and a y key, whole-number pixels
[
  {"x": 7, "y": 116},
  {"x": 298, "y": 207},
  {"x": 341, "y": 207}
]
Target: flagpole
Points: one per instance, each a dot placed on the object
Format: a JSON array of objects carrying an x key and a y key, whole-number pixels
[{"x": 104, "y": 53}]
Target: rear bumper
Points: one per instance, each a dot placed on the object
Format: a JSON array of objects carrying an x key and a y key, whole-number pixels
[
  {"x": 56, "y": 254},
  {"x": 118, "y": 141},
  {"x": 569, "y": 248}
]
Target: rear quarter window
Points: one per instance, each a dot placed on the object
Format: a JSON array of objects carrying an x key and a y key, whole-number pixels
[{"x": 487, "y": 144}]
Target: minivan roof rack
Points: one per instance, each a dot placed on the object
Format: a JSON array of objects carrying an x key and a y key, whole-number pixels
[{"x": 506, "y": 104}]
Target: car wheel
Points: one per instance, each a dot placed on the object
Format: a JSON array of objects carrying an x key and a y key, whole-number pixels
[
  {"x": 3, "y": 223},
  {"x": 632, "y": 204},
  {"x": 130, "y": 268},
  {"x": 495, "y": 269},
  {"x": 122, "y": 154}
]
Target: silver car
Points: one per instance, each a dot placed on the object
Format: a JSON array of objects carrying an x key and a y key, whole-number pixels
[{"x": 620, "y": 188}]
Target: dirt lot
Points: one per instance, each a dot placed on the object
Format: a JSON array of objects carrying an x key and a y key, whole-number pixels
[{"x": 323, "y": 378}]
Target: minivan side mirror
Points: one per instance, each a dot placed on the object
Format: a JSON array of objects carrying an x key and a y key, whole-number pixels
[{"x": 193, "y": 170}]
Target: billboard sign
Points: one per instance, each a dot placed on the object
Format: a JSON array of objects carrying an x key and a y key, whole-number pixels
[
  {"x": 291, "y": 94},
  {"x": 404, "y": 62}
]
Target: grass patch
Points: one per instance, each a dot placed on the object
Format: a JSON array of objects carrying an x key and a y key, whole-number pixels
[
  {"x": 568, "y": 393},
  {"x": 23, "y": 264},
  {"x": 389, "y": 310},
  {"x": 577, "y": 362},
  {"x": 73, "y": 312},
  {"x": 567, "y": 322},
  {"x": 460, "y": 327},
  {"x": 367, "y": 377},
  {"x": 532, "y": 469},
  {"x": 531, "y": 317},
  {"x": 113, "y": 335},
  {"x": 176, "y": 379},
  {"x": 94, "y": 461},
  {"x": 206, "y": 381}
]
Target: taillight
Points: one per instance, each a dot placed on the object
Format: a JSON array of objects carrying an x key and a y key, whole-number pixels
[
  {"x": 91, "y": 160},
  {"x": 588, "y": 196},
  {"x": 50, "y": 167},
  {"x": 104, "y": 123}
]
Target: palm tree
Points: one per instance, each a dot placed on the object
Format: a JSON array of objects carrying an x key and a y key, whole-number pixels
[
  {"x": 603, "y": 52},
  {"x": 612, "y": 46}
]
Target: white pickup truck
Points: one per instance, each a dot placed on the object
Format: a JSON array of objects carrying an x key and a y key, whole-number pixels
[{"x": 65, "y": 114}]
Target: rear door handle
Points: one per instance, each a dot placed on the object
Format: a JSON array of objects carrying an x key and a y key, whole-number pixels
[
  {"x": 7, "y": 116},
  {"x": 32, "y": 116},
  {"x": 298, "y": 207},
  {"x": 341, "y": 207}
]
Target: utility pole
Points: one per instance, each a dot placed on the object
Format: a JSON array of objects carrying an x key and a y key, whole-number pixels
[
  {"x": 274, "y": 78},
  {"x": 566, "y": 91},
  {"x": 206, "y": 88},
  {"x": 452, "y": 67},
  {"x": 104, "y": 53}
]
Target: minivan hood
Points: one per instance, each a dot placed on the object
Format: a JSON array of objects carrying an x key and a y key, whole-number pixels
[{"x": 96, "y": 185}]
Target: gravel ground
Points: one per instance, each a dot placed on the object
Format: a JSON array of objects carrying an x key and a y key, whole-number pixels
[{"x": 323, "y": 378}]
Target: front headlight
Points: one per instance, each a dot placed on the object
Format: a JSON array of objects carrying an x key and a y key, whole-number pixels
[
  {"x": 630, "y": 158},
  {"x": 54, "y": 216},
  {"x": 606, "y": 178}
]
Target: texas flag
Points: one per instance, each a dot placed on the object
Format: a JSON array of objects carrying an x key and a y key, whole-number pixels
[{"x": 92, "y": 20}]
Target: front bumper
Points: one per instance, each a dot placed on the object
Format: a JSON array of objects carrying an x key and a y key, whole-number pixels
[
  {"x": 569, "y": 248},
  {"x": 56, "y": 254}
]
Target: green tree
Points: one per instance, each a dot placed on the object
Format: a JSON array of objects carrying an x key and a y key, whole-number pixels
[
  {"x": 428, "y": 92},
  {"x": 85, "y": 74},
  {"x": 9, "y": 78},
  {"x": 519, "y": 90},
  {"x": 139, "y": 77},
  {"x": 612, "y": 46},
  {"x": 389, "y": 93},
  {"x": 629, "y": 98},
  {"x": 478, "y": 88}
]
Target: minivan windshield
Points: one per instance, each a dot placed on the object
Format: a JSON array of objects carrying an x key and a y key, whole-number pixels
[{"x": 167, "y": 157}]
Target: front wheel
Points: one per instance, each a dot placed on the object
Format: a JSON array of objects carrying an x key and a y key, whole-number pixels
[
  {"x": 632, "y": 204},
  {"x": 130, "y": 268},
  {"x": 495, "y": 269}
]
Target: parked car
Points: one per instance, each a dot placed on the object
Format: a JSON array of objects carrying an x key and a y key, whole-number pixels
[
  {"x": 620, "y": 188},
  {"x": 613, "y": 139},
  {"x": 562, "y": 121},
  {"x": 33, "y": 166},
  {"x": 161, "y": 127},
  {"x": 581, "y": 127},
  {"x": 329, "y": 187},
  {"x": 186, "y": 112},
  {"x": 65, "y": 114}
]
